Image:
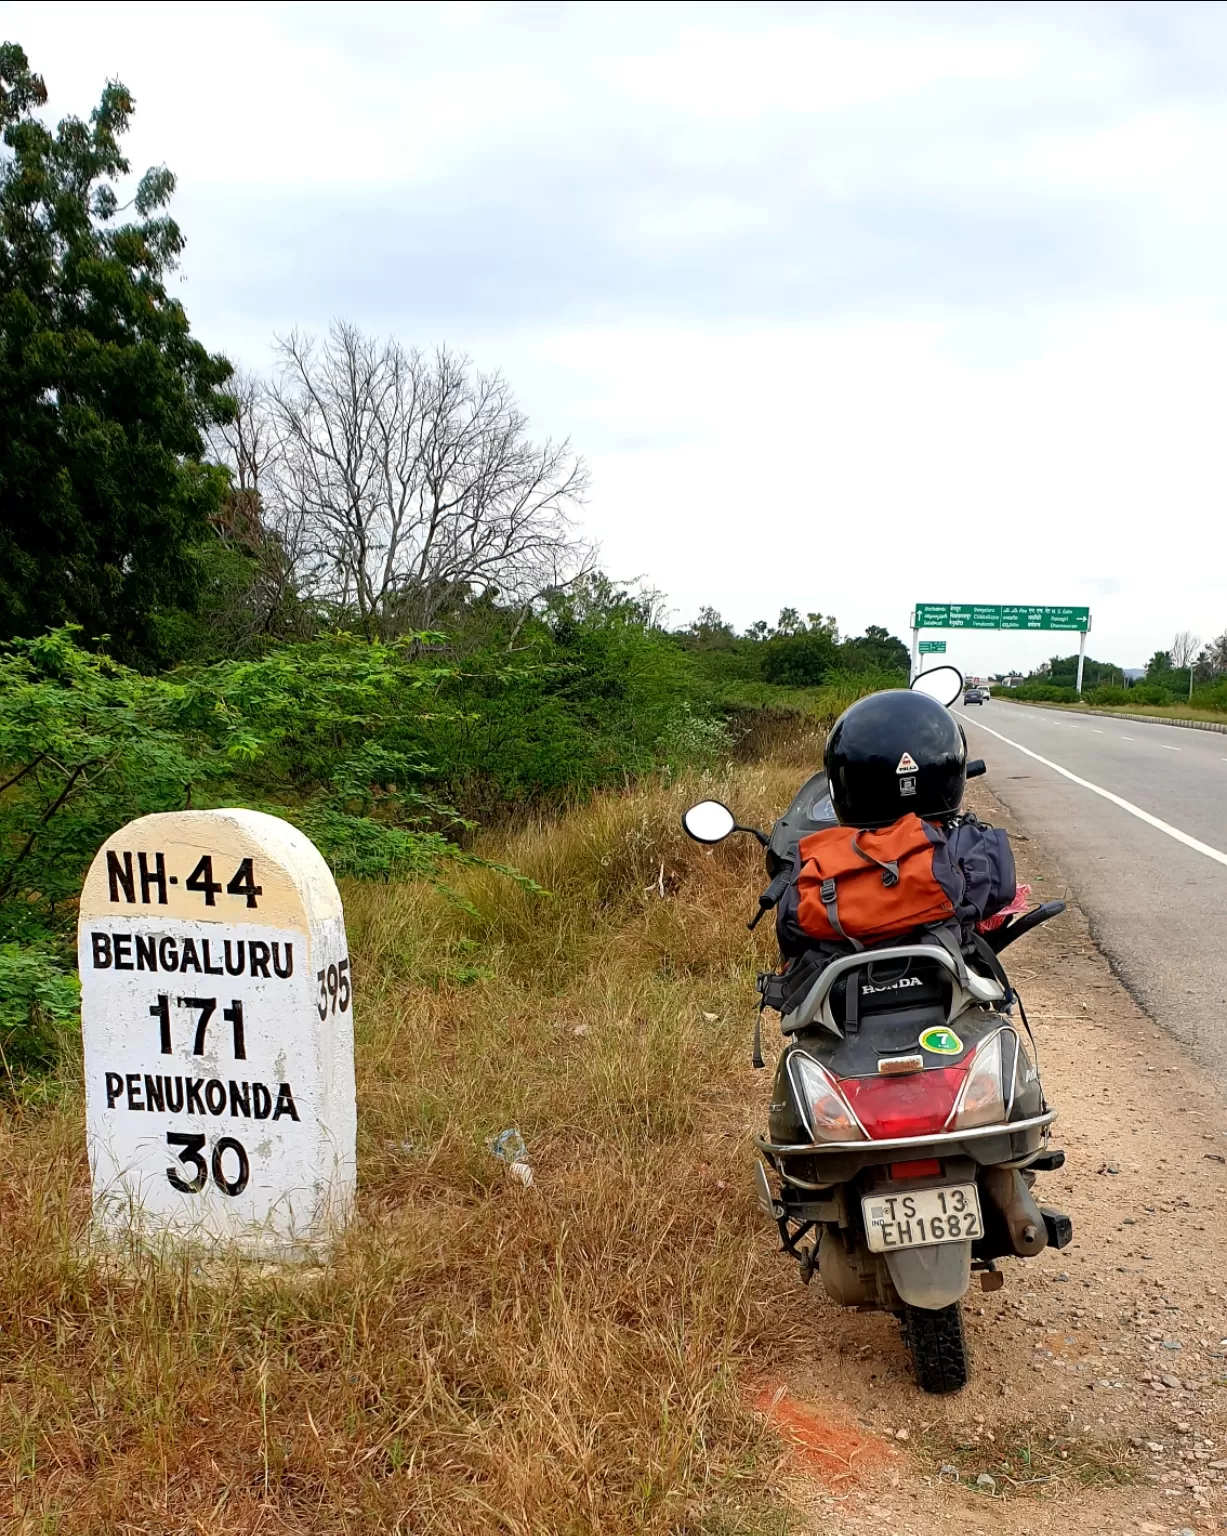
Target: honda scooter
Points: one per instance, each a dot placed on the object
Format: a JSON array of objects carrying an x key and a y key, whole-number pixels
[{"x": 908, "y": 1122}]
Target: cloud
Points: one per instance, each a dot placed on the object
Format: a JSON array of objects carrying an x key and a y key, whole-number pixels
[{"x": 849, "y": 305}]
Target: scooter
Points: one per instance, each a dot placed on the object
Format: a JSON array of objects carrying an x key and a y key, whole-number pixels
[{"x": 907, "y": 1121}]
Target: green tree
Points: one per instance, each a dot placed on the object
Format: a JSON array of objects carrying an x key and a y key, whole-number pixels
[
  {"x": 104, "y": 394},
  {"x": 1062, "y": 671},
  {"x": 801, "y": 655},
  {"x": 709, "y": 632},
  {"x": 877, "y": 650}
]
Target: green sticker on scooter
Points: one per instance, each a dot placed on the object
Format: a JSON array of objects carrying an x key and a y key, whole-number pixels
[{"x": 942, "y": 1042}]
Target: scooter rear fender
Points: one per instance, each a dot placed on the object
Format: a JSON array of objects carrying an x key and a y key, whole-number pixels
[{"x": 931, "y": 1277}]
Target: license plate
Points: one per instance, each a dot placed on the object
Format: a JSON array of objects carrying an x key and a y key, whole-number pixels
[{"x": 922, "y": 1217}]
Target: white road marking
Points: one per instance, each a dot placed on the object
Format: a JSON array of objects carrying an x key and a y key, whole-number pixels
[
  {"x": 1166, "y": 748},
  {"x": 1126, "y": 805},
  {"x": 1094, "y": 732},
  {"x": 1131, "y": 738}
]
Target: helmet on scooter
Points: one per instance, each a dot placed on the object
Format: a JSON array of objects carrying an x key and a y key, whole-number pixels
[{"x": 895, "y": 752}]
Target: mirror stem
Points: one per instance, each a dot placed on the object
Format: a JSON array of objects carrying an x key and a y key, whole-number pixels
[{"x": 754, "y": 832}]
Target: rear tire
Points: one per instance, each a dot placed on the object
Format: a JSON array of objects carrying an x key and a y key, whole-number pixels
[{"x": 938, "y": 1347}]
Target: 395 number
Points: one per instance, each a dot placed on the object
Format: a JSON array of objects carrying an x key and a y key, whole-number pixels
[
  {"x": 335, "y": 993},
  {"x": 191, "y": 1155}
]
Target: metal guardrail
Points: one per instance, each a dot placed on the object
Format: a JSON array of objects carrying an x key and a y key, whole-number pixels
[{"x": 1115, "y": 714}]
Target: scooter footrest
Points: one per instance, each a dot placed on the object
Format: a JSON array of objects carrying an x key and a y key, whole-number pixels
[
  {"x": 1048, "y": 1162},
  {"x": 1059, "y": 1227}
]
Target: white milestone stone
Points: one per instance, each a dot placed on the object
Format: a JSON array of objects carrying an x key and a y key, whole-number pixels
[{"x": 217, "y": 1012}]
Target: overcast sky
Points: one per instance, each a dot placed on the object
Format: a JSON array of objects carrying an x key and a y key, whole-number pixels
[{"x": 847, "y": 306}]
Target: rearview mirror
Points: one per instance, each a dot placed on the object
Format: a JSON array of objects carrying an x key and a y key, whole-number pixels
[
  {"x": 942, "y": 683},
  {"x": 709, "y": 821}
]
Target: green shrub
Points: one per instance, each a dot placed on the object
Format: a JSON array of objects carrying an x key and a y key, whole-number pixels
[
  {"x": 39, "y": 1001},
  {"x": 1212, "y": 695},
  {"x": 803, "y": 660},
  {"x": 329, "y": 735},
  {"x": 592, "y": 694},
  {"x": 1044, "y": 693},
  {"x": 365, "y": 747}
]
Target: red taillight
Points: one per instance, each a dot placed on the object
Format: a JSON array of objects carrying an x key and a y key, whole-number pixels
[
  {"x": 904, "y": 1106},
  {"x": 922, "y": 1168}
]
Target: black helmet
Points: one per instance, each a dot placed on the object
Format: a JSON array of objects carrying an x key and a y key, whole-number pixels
[{"x": 895, "y": 752}]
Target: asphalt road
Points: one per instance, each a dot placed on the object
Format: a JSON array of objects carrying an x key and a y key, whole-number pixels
[{"x": 1156, "y": 905}]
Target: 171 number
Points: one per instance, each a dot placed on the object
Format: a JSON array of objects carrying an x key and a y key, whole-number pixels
[{"x": 205, "y": 1008}]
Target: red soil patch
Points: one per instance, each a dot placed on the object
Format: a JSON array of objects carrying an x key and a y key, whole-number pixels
[{"x": 835, "y": 1451}]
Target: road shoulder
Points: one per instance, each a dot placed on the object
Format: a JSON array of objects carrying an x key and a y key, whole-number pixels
[{"x": 1103, "y": 1368}]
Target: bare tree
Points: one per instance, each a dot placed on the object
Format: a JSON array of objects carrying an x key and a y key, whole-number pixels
[
  {"x": 246, "y": 444},
  {"x": 1184, "y": 648},
  {"x": 1216, "y": 655},
  {"x": 254, "y": 526},
  {"x": 1183, "y": 651},
  {"x": 413, "y": 481}
]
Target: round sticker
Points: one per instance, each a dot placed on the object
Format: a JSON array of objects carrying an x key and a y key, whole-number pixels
[{"x": 941, "y": 1041}]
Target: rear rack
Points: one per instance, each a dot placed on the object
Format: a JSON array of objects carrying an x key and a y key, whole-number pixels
[
  {"x": 935, "y": 1139},
  {"x": 967, "y": 987}
]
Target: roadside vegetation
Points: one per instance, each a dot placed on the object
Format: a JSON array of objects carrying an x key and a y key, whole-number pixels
[
  {"x": 577, "y": 1356},
  {"x": 1187, "y": 680},
  {"x": 350, "y": 592},
  {"x": 406, "y": 649}
]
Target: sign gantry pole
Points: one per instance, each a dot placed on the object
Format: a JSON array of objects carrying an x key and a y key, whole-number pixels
[
  {"x": 915, "y": 648},
  {"x": 1082, "y": 655}
]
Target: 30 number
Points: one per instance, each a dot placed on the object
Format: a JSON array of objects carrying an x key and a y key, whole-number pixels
[
  {"x": 335, "y": 991},
  {"x": 192, "y": 1156},
  {"x": 238, "y": 1184}
]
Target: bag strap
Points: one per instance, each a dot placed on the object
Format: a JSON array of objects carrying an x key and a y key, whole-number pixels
[
  {"x": 1035, "y": 1052},
  {"x": 826, "y": 893},
  {"x": 889, "y": 868},
  {"x": 852, "y": 1000},
  {"x": 756, "y": 1059},
  {"x": 995, "y": 969}
]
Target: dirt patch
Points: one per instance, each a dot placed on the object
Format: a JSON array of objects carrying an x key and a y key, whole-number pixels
[
  {"x": 1098, "y": 1399},
  {"x": 837, "y": 1451}
]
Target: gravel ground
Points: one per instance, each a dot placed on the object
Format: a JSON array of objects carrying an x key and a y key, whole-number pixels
[{"x": 1098, "y": 1400}]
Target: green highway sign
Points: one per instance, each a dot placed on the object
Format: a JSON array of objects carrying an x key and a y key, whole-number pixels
[
  {"x": 932, "y": 647},
  {"x": 999, "y": 616}
]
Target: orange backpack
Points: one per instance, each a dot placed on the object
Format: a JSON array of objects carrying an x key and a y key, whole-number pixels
[{"x": 865, "y": 886}]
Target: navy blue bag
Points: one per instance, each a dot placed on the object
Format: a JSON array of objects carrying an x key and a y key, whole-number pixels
[{"x": 986, "y": 860}]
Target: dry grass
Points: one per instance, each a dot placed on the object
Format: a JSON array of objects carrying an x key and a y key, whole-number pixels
[{"x": 478, "y": 1357}]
